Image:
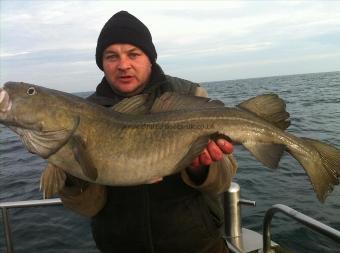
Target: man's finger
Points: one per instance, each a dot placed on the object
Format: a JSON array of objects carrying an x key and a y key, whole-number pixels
[
  {"x": 225, "y": 146},
  {"x": 196, "y": 162},
  {"x": 215, "y": 152},
  {"x": 205, "y": 158}
]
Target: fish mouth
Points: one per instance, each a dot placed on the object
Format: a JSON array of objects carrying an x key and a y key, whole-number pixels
[
  {"x": 7, "y": 116},
  {"x": 5, "y": 101}
]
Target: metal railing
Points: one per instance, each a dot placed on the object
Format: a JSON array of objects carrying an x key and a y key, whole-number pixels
[
  {"x": 237, "y": 238},
  {"x": 5, "y": 206},
  {"x": 232, "y": 231},
  {"x": 301, "y": 218},
  {"x": 233, "y": 217}
]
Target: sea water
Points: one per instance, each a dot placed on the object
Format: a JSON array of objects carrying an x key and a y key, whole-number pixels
[{"x": 313, "y": 101}]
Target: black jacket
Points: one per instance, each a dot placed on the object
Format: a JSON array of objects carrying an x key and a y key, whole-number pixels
[{"x": 168, "y": 216}]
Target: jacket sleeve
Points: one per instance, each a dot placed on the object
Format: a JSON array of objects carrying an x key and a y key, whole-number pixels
[
  {"x": 220, "y": 173},
  {"x": 219, "y": 176}
]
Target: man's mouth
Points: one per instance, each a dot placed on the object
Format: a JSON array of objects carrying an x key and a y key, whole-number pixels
[{"x": 126, "y": 78}]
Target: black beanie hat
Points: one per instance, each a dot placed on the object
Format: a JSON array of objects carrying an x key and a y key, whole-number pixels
[{"x": 123, "y": 27}]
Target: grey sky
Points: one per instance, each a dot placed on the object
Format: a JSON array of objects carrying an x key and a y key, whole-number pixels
[{"x": 52, "y": 43}]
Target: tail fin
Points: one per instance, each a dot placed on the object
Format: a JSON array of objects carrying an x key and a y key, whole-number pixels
[
  {"x": 330, "y": 155},
  {"x": 324, "y": 170}
]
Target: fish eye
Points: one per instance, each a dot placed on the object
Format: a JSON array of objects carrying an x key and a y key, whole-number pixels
[{"x": 31, "y": 91}]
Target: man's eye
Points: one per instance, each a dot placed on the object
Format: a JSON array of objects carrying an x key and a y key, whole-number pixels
[
  {"x": 134, "y": 55},
  {"x": 111, "y": 57}
]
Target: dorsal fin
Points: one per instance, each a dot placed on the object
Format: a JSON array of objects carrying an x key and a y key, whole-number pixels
[
  {"x": 171, "y": 101},
  {"x": 269, "y": 107},
  {"x": 134, "y": 105}
]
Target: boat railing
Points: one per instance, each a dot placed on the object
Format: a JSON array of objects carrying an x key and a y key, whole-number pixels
[
  {"x": 301, "y": 218},
  {"x": 244, "y": 240},
  {"x": 238, "y": 238},
  {"x": 5, "y": 206}
]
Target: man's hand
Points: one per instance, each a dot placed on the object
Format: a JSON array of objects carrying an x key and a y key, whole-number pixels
[
  {"x": 213, "y": 152},
  {"x": 199, "y": 168}
]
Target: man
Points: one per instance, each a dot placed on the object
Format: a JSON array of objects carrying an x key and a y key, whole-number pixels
[{"x": 180, "y": 213}]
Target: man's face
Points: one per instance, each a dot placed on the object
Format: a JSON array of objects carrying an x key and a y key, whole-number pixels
[{"x": 127, "y": 68}]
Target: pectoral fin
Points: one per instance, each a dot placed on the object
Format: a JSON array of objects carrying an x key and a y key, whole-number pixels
[
  {"x": 83, "y": 158},
  {"x": 267, "y": 153},
  {"x": 52, "y": 180}
]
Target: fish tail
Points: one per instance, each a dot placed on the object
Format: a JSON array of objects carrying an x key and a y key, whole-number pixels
[{"x": 324, "y": 169}]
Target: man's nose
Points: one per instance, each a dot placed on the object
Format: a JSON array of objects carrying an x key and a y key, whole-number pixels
[{"x": 124, "y": 63}]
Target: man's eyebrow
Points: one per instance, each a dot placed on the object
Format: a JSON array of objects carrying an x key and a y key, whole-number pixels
[
  {"x": 134, "y": 49},
  {"x": 109, "y": 51}
]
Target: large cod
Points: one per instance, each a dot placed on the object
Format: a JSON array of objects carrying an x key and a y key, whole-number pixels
[{"x": 117, "y": 147}]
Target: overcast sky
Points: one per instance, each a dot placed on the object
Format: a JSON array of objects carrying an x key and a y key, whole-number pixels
[{"x": 52, "y": 43}]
